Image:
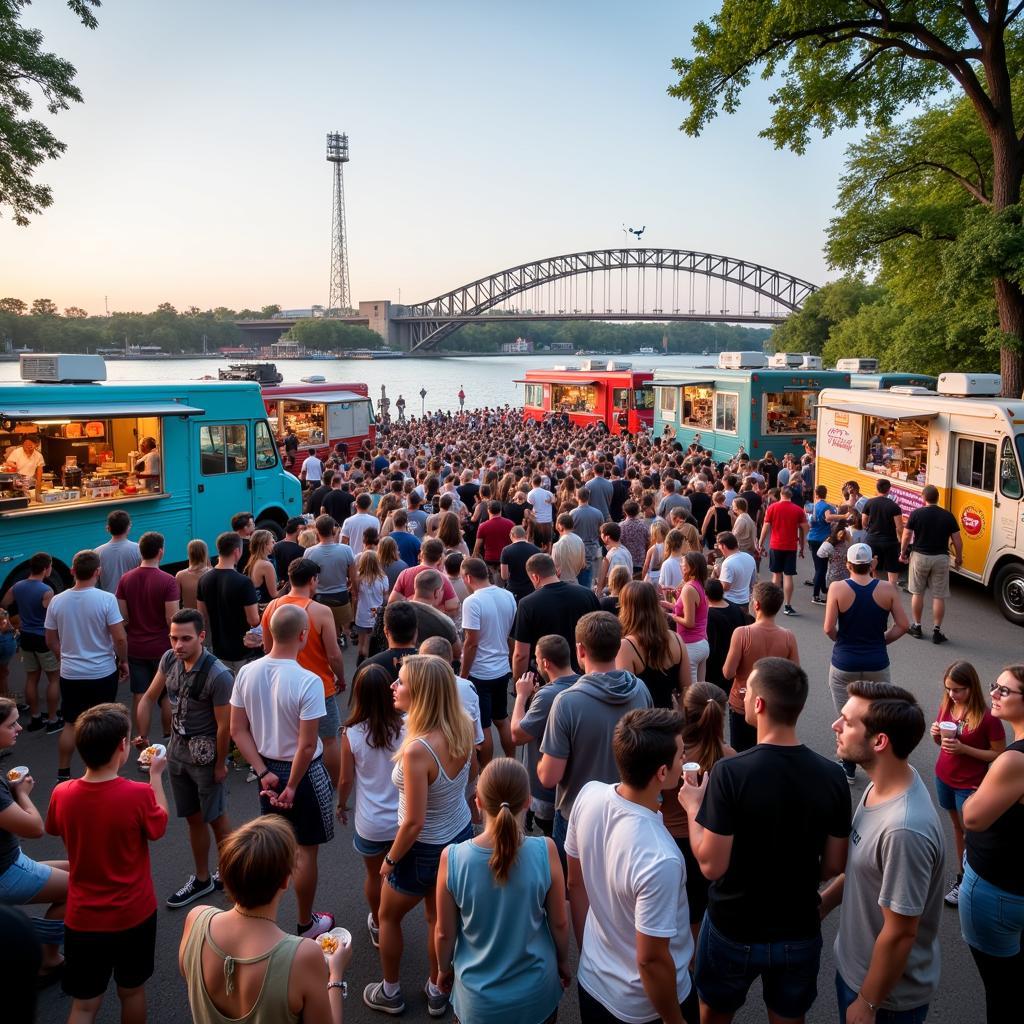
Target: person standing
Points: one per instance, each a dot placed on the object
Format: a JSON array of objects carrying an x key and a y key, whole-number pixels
[
  {"x": 738, "y": 571},
  {"x": 883, "y": 523},
  {"x": 487, "y": 617},
  {"x": 635, "y": 534},
  {"x": 85, "y": 631},
  {"x": 601, "y": 492},
  {"x": 189, "y": 577},
  {"x": 119, "y": 554},
  {"x": 337, "y": 502},
  {"x": 353, "y": 527},
  {"x": 229, "y": 604},
  {"x": 723, "y": 620},
  {"x": 887, "y": 949},
  {"x": 542, "y": 502},
  {"x": 615, "y": 554},
  {"x": 288, "y": 548},
  {"x": 817, "y": 534},
  {"x": 569, "y": 551},
  {"x": 690, "y": 612},
  {"x": 26, "y": 460},
  {"x": 276, "y": 707},
  {"x": 857, "y": 613},
  {"x": 627, "y": 893},
  {"x": 513, "y": 561},
  {"x": 337, "y": 580},
  {"x": 931, "y": 530},
  {"x": 788, "y": 525},
  {"x": 492, "y": 537},
  {"x": 777, "y": 811},
  {"x": 312, "y": 470},
  {"x": 992, "y": 894},
  {"x": 462, "y": 398},
  {"x": 587, "y": 522},
  {"x": 198, "y": 689}
]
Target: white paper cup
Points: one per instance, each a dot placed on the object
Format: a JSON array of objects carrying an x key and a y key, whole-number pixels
[
  {"x": 343, "y": 935},
  {"x": 145, "y": 759},
  {"x": 21, "y": 770},
  {"x": 691, "y": 772},
  {"x": 948, "y": 729}
]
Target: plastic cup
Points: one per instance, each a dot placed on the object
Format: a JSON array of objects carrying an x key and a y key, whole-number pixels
[
  {"x": 691, "y": 772},
  {"x": 948, "y": 729},
  {"x": 15, "y": 775},
  {"x": 342, "y": 935}
]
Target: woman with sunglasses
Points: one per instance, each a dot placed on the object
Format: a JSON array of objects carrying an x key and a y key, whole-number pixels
[{"x": 992, "y": 892}]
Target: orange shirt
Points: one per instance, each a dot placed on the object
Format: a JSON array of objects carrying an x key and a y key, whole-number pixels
[{"x": 313, "y": 656}]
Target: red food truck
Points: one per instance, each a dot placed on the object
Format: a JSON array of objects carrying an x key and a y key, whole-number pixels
[{"x": 613, "y": 393}]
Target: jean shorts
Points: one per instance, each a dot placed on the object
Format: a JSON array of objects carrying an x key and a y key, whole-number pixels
[
  {"x": 726, "y": 970},
  {"x": 370, "y": 847},
  {"x": 330, "y": 725},
  {"x": 846, "y": 996},
  {"x": 951, "y": 799},
  {"x": 8, "y": 647},
  {"x": 416, "y": 873},
  {"x": 991, "y": 919},
  {"x": 23, "y": 881}
]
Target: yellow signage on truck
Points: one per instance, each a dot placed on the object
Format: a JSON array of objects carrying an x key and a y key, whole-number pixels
[{"x": 962, "y": 439}]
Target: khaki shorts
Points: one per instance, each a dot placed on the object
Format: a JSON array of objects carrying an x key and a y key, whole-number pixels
[
  {"x": 39, "y": 661},
  {"x": 929, "y": 572}
]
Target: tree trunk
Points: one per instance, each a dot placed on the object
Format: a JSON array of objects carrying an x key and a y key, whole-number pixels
[{"x": 1010, "y": 303}]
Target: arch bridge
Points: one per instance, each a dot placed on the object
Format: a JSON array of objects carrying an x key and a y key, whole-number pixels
[{"x": 610, "y": 284}]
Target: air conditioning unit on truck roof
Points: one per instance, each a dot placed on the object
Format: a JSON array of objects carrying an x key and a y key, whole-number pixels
[
  {"x": 45, "y": 368},
  {"x": 970, "y": 384}
]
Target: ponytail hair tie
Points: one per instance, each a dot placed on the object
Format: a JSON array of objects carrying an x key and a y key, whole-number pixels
[{"x": 506, "y": 804}]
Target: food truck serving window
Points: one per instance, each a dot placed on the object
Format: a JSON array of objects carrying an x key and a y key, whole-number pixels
[
  {"x": 897, "y": 448},
  {"x": 726, "y": 411},
  {"x": 643, "y": 398},
  {"x": 620, "y": 398},
  {"x": 698, "y": 404},
  {"x": 574, "y": 397},
  {"x": 534, "y": 395},
  {"x": 975, "y": 464},
  {"x": 667, "y": 401},
  {"x": 790, "y": 412},
  {"x": 305, "y": 420}
]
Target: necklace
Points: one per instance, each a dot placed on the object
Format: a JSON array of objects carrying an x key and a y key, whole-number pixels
[{"x": 256, "y": 917}]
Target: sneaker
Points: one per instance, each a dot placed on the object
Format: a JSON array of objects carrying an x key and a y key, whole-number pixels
[
  {"x": 916, "y": 632},
  {"x": 437, "y": 1006},
  {"x": 818, "y": 600},
  {"x": 321, "y": 923},
  {"x": 36, "y": 724},
  {"x": 374, "y": 930},
  {"x": 373, "y": 996},
  {"x": 343, "y": 643},
  {"x": 808, "y": 583},
  {"x": 217, "y": 883},
  {"x": 251, "y": 777},
  {"x": 23, "y": 708},
  {"x": 54, "y": 726},
  {"x": 952, "y": 898},
  {"x": 938, "y": 637},
  {"x": 63, "y": 775},
  {"x": 788, "y": 609},
  {"x": 190, "y": 892}
]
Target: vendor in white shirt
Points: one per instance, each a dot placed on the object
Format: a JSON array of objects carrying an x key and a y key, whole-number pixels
[
  {"x": 148, "y": 467},
  {"x": 27, "y": 461}
]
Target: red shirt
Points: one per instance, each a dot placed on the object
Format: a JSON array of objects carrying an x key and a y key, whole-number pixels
[
  {"x": 961, "y": 771},
  {"x": 785, "y": 518},
  {"x": 496, "y": 535},
  {"x": 145, "y": 591},
  {"x": 107, "y": 828},
  {"x": 405, "y": 585}
]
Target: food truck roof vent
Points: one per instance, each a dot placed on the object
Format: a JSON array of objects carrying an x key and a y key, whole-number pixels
[
  {"x": 613, "y": 365},
  {"x": 982, "y": 384},
  {"x": 910, "y": 389},
  {"x": 742, "y": 360},
  {"x": 62, "y": 369}
]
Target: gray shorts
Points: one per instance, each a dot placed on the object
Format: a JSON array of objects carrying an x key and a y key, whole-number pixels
[
  {"x": 330, "y": 725},
  {"x": 929, "y": 572},
  {"x": 195, "y": 790},
  {"x": 39, "y": 661},
  {"x": 839, "y": 680}
]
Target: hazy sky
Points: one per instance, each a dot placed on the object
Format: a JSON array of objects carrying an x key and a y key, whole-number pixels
[{"x": 482, "y": 135}]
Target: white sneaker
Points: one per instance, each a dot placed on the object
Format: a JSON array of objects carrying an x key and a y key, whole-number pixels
[
  {"x": 321, "y": 923},
  {"x": 374, "y": 930},
  {"x": 952, "y": 898}
]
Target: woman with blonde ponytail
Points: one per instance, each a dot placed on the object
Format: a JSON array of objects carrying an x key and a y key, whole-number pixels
[{"x": 502, "y": 929}]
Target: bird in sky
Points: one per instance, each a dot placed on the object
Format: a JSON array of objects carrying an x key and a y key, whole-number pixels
[{"x": 638, "y": 231}]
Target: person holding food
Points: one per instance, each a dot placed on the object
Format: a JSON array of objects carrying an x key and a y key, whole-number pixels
[
  {"x": 27, "y": 461},
  {"x": 23, "y": 880},
  {"x": 148, "y": 466}
]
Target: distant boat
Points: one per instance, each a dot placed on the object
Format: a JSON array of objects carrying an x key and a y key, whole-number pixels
[
  {"x": 647, "y": 351},
  {"x": 371, "y": 353},
  {"x": 313, "y": 378}
]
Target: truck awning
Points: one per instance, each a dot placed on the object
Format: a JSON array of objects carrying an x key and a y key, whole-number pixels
[
  {"x": 97, "y": 411},
  {"x": 321, "y": 397},
  {"x": 682, "y": 383},
  {"x": 883, "y": 411},
  {"x": 554, "y": 380}
]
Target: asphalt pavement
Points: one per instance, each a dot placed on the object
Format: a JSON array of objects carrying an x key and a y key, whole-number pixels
[{"x": 977, "y": 633}]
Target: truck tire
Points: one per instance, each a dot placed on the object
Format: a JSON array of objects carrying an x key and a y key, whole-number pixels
[
  {"x": 1008, "y": 590},
  {"x": 272, "y": 526}
]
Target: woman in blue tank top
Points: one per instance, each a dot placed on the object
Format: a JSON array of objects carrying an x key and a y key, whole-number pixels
[{"x": 502, "y": 928}]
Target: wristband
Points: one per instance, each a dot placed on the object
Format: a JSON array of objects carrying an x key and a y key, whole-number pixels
[
  {"x": 390, "y": 863},
  {"x": 870, "y": 1005},
  {"x": 343, "y": 985},
  {"x": 259, "y": 775}
]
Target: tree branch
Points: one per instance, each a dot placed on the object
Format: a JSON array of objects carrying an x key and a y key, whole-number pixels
[
  {"x": 965, "y": 183},
  {"x": 1012, "y": 16}
]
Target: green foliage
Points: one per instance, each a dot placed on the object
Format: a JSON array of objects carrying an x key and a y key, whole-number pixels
[
  {"x": 326, "y": 335},
  {"x": 25, "y": 143},
  {"x": 808, "y": 329}
]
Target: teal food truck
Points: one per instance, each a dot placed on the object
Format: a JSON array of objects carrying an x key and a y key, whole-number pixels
[
  {"x": 884, "y": 381},
  {"x": 758, "y": 409},
  {"x": 179, "y": 458}
]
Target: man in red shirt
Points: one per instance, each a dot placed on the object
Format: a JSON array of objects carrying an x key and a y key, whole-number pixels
[
  {"x": 787, "y": 522},
  {"x": 110, "y": 918},
  {"x": 431, "y": 557},
  {"x": 492, "y": 537}
]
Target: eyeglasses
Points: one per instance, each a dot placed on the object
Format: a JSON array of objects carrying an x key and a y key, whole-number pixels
[{"x": 1004, "y": 691}]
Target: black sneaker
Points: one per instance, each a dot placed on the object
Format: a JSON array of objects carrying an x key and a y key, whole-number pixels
[
  {"x": 938, "y": 637},
  {"x": 916, "y": 632},
  {"x": 36, "y": 724},
  {"x": 23, "y": 708},
  {"x": 63, "y": 775},
  {"x": 190, "y": 892},
  {"x": 217, "y": 883},
  {"x": 788, "y": 609},
  {"x": 54, "y": 726}
]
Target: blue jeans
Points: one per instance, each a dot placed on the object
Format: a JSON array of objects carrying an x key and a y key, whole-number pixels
[
  {"x": 846, "y": 995},
  {"x": 820, "y": 569},
  {"x": 586, "y": 576},
  {"x": 991, "y": 919}
]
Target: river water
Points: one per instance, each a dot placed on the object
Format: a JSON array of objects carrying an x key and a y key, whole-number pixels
[{"x": 487, "y": 380}]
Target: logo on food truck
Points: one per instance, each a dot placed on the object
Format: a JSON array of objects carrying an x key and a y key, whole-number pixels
[
  {"x": 972, "y": 519},
  {"x": 839, "y": 439}
]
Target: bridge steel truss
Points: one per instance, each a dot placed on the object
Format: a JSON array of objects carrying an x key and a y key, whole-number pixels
[{"x": 431, "y": 321}]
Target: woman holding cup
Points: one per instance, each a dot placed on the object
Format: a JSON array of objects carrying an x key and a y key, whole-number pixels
[{"x": 969, "y": 740}]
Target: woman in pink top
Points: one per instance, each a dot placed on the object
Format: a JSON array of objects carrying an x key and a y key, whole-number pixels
[{"x": 690, "y": 613}]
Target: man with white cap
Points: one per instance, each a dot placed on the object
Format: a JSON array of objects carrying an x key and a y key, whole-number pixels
[{"x": 857, "y": 613}]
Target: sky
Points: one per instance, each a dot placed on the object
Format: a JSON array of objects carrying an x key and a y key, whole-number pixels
[{"x": 482, "y": 135}]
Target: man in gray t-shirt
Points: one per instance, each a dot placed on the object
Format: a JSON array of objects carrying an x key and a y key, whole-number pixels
[
  {"x": 337, "y": 576},
  {"x": 887, "y": 949},
  {"x": 118, "y": 556},
  {"x": 601, "y": 492},
  {"x": 587, "y": 522}
]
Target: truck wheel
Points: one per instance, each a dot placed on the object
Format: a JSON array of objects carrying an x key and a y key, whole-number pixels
[
  {"x": 273, "y": 527},
  {"x": 1008, "y": 589}
]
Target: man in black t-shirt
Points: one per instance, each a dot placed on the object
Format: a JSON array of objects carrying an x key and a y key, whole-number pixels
[
  {"x": 766, "y": 827},
  {"x": 514, "y": 557},
  {"x": 288, "y": 548},
  {"x": 400, "y": 631},
  {"x": 556, "y": 607},
  {"x": 932, "y": 530},
  {"x": 883, "y": 521},
  {"x": 230, "y": 605},
  {"x": 337, "y": 502},
  {"x": 316, "y": 497}
]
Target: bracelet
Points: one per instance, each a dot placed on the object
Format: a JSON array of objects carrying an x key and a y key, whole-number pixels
[
  {"x": 390, "y": 863},
  {"x": 259, "y": 775},
  {"x": 343, "y": 985},
  {"x": 870, "y": 1005}
]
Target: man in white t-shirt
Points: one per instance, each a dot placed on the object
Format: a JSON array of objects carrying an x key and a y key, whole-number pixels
[
  {"x": 27, "y": 461},
  {"x": 85, "y": 631},
  {"x": 353, "y": 528},
  {"x": 276, "y": 707},
  {"x": 627, "y": 883},
  {"x": 312, "y": 470},
  {"x": 487, "y": 616},
  {"x": 738, "y": 573},
  {"x": 542, "y": 501}
]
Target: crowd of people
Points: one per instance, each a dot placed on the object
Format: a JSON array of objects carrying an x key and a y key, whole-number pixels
[{"x": 590, "y": 604}]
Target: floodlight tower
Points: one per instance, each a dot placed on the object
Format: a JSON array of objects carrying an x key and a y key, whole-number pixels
[{"x": 340, "y": 297}]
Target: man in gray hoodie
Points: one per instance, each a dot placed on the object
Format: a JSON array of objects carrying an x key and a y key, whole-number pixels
[{"x": 577, "y": 743}]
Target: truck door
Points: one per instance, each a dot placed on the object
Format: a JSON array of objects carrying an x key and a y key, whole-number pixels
[
  {"x": 266, "y": 476},
  {"x": 973, "y": 497},
  {"x": 1009, "y": 506},
  {"x": 223, "y": 478}
]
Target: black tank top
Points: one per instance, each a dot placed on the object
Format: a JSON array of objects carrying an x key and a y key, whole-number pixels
[
  {"x": 995, "y": 854},
  {"x": 661, "y": 683}
]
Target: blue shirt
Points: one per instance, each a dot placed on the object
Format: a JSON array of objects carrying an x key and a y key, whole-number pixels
[
  {"x": 28, "y": 595},
  {"x": 408, "y": 546},
  {"x": 820, "y": 529}
]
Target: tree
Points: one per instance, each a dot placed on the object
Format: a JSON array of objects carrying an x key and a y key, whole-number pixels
[
  {"x": 25, "y": 142},
  {"x": 13, "y": 306},
  {"x": 844, "y": 62},
  {"x": 267, "y": 312},
  {"x": 808, "y": 329},
  {"x": 75, "y": 313},
  {"x": 44, "y": 307}
]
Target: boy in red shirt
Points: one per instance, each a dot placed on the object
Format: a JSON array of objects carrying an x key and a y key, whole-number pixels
[
  {"x": 788, "y": 524},
  {"x": 107, "y": 823},
  {"x": 492, "y": 537}
]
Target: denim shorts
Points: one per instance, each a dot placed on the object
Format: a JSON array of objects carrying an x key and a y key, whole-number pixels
[
  {"x": 23, "y": 881},
  {"x": 370, "y": 847},
  {"x": 726, "y": 970},
  {"x": 8, "y": 647},
  {"x": 951, "y": 799},
  {"x": 991, "y": 919},
  {"x": 845, "y": 997},
  {"x": 330, "y": 725},
  {"x": 416, "y": 873}
]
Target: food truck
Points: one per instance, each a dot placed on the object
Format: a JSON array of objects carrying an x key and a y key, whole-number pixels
[
  {"x": 592, "y": 392},
  {"x": 320, "y": 415},
  {"x": 961, "y": 438},
  {"x": 760, "y": 410},
  {"x": 180, "y": 458},
  {"x": 884, "y": 381}
]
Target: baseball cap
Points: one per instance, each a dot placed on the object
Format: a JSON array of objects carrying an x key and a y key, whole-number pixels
[{"x": 859, "y": 554}]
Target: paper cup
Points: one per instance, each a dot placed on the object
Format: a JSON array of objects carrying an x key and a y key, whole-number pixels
[
  {"x": 948, "y": 729},
  {"x": 342, "y": 935},
  {"x": 159, "y": 751},
  {"x": 15, "y": 775},
  {"x": 691, "y": 773}
]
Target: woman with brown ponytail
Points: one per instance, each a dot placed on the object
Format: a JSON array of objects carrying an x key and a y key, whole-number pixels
[{"x": 501, "y": 917}]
